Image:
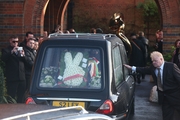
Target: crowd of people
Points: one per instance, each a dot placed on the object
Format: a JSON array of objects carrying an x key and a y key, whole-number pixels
[
  {"x": 58, "y": 30},
  {"x": 140, "y": 54},
  {"x": 140, "y": 47},
  {"x": 19, "y": 58},
  {"x": 166, "y": 74},
  {"x": 96, "y": 30}
]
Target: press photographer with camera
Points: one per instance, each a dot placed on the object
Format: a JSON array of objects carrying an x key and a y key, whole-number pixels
[{"x": 13, "y": 57}]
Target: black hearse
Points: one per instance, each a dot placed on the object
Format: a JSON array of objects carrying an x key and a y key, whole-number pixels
[{"x": 83, "y": 69}]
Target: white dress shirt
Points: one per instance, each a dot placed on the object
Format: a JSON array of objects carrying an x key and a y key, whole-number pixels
[{"x": 161, "y": 71}]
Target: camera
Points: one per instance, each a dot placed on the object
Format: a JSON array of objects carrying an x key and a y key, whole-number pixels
[
  {"x": 19, "y": 51},
  {"x": 20, "y": 48}
]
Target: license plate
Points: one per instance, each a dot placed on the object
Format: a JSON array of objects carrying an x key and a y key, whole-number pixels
[{"x": 67, "y": 104}]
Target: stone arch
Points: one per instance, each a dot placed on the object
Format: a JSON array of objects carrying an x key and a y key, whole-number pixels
[
  {"x": 34, "y": 12},
  {"x": 170, "y": 20},
  {"x": 34, "y": 15},
  {"x": 169, "y": 11},
  {"x": 63, "y": 12}
]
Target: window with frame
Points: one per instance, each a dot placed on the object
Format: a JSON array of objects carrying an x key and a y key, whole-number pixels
[
  {"x": 124, "y": 61},
  {"x": 71, "y": 68},
  {"x": 117, "y": 65}
]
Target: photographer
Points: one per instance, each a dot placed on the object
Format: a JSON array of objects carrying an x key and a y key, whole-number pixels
[{"x": 13, "y": 57}]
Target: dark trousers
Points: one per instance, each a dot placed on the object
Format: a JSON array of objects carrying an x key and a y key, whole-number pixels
[
  {"x": 16, "y": 89},
  {"x": 170, "y": 112},
  {"x": 28, "y": 78}
]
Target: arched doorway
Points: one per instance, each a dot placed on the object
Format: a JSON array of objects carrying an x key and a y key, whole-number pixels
[{"x": 55, "y": 15}]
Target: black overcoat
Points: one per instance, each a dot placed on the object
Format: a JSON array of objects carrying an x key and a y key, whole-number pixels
[
  {"x": 14, "y": 65},
  {"x": 29, "y": 59},
  {"x": 137, "y": 55}
]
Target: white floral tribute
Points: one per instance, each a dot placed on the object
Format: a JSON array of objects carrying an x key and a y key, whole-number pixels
[{"x": 73, "y": 73}]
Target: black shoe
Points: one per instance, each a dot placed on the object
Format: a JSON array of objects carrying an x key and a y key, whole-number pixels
[
  {"x": 138, "y": 80},
  {"x": 143, "y": 76}
]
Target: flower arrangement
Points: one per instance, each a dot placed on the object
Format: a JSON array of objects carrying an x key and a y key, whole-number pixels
[
  {"x": 75, "y": 70},
  {"x": 48, "y": 76},
  {"x": 95, "y": 82},
  {"x": 73, "y": 73}
]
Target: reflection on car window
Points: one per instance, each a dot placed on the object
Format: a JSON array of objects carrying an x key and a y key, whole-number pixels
[
  {"x": 71, "y": 68},
  {"x": 125, "y": 61},
  {"x": 117, "y": 63}
]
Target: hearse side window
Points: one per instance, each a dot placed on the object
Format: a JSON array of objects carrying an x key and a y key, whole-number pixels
[
  {"x": 117, "y": 65},
  {"x": 71, "y": 68},
  {"x": 124, "y": 61}
]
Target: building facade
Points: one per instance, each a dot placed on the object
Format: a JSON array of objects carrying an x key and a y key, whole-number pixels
[{"x": 20, "y": 16}]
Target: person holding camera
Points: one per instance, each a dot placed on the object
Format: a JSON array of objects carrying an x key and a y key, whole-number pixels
[{"x": 13, "y": 57}]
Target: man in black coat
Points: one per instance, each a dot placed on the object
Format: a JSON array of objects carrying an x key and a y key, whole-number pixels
[
  {"x": 28, "y": 35},
  {"x": 169, "y": 93},
  {"x": 13, "y": 58},
  {"x": 30, "y": 55},
  {"x": 159, "y": 41},
  {"x": 145, "y": 42},
  {"x": 137, "y": 55}
]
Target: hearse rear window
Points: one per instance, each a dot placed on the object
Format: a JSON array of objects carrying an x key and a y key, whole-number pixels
[{"x": 71, "y": 68}]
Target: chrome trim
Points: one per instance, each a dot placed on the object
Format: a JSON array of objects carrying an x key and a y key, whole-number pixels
[
  {"x": 110, "y": 64},
  {"x": 70, "y": 99},
  {"x": 79, "y": 35},
  {"x": 28, "y": 115},
  {"x": 127, "y": 78},
  {"x": 119, "y": 117}
]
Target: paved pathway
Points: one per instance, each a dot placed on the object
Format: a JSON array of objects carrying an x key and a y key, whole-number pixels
[{"x": 144, "y": 109}]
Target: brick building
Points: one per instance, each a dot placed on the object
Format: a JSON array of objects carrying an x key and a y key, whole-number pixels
[{"x": 20, "y": 16}]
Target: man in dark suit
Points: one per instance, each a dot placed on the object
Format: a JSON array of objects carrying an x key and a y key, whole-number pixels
[
  {"x": 169, "y": 92},
  {"x": 13, "y": 57}
]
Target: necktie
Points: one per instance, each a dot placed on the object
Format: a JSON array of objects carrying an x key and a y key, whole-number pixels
[{"x": 159, "y": 80}]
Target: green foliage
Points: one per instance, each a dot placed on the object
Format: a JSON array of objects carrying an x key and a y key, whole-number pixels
[
  {"x": 168, "y": 56},
  {"x": 149, "y": 8},
  {"x": 1, "y": 85},
  {"x": 151, "y": 16},
  {"x": 1, "y": 81},
  {"x": 4, "y": 98}
]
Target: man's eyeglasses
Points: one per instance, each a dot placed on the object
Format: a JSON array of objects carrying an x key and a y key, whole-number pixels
[{"x": 15, "y": 41}]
